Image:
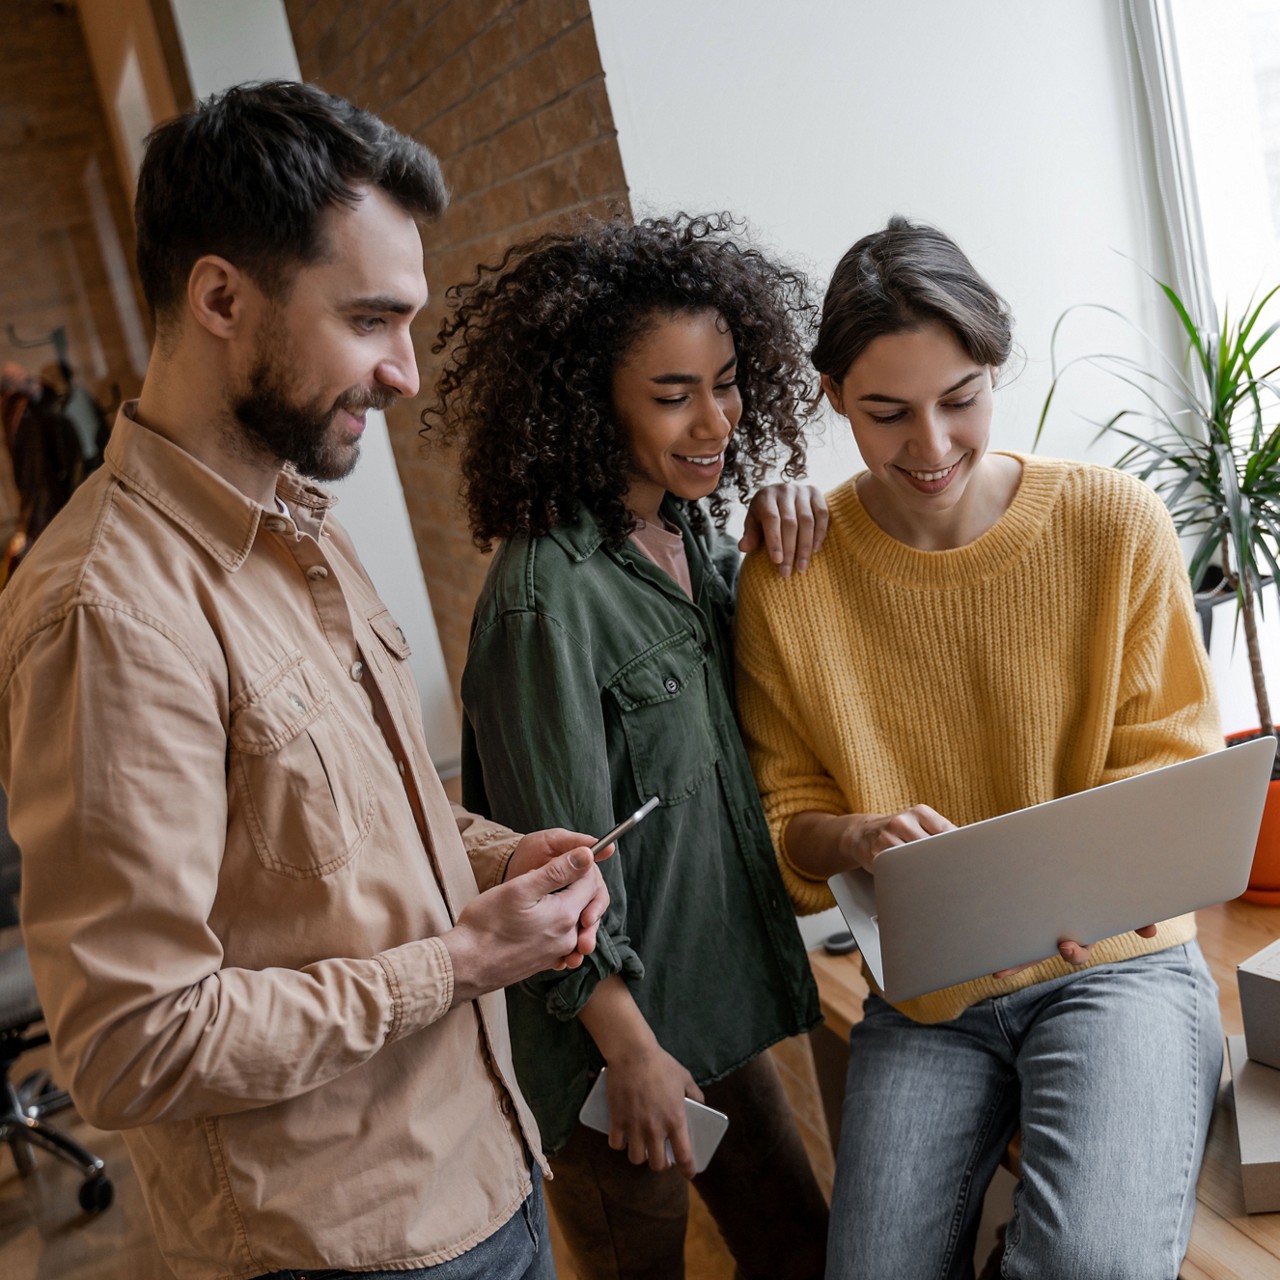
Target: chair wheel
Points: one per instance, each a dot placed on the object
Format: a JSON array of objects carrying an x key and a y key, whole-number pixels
[{"x": 96, "y": 1194}]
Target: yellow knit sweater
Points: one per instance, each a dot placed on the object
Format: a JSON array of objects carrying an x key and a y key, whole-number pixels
[{"x": 1057, "y": 652}]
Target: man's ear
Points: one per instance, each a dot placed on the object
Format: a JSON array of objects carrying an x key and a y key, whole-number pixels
[
  {"x": 217, "y": 295},
  {"x": 831, "y": 389}
]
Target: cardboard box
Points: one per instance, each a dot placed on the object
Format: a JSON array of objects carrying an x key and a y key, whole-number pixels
[
  {"x": 1259, "y": 979},
  {"x": 1257, "y": 1095}
]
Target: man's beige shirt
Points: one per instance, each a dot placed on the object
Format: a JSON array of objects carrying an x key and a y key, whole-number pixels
[{"x": 237, "y": 860}]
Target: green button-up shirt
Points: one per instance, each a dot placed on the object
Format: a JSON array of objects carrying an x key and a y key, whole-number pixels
[{"x": 592, "y": 683}]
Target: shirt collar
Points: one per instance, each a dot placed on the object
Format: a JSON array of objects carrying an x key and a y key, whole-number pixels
[
  {"x": 582, "y": 536},
  {"x": 220, "y": 517}
]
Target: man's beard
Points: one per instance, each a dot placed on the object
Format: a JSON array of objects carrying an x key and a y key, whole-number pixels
[{"x": 301, "y": 432}]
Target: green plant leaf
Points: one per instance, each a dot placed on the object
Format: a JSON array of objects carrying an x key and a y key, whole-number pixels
[{"x": 1204, "y": 437}]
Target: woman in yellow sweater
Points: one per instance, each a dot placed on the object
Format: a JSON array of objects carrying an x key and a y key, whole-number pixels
[{"x": 984, "y": 631}]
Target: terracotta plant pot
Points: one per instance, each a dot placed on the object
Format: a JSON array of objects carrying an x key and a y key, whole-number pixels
[{"x": 1264, "y": 878}]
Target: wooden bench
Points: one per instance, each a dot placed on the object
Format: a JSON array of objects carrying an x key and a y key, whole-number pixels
[{"x": 1226, "y": 1243}]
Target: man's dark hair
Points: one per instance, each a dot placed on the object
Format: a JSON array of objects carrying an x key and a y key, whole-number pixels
[{"x": 249, "y": 175}]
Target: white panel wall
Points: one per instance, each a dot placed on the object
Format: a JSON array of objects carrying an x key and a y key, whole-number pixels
[
  {"x": 1007, "y": 123},
  {"x": 237, "y": 40}
]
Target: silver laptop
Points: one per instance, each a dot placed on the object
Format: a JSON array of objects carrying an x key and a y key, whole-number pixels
[{"x": 1003, "y": 892}]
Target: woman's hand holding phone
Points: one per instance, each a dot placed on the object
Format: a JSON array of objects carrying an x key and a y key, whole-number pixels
[
  {"x": 646, "y": 1109},
  {"x": 646, "y": 1086}
]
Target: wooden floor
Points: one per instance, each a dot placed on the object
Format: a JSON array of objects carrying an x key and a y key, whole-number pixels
[{"x": 44, "y": 1236}]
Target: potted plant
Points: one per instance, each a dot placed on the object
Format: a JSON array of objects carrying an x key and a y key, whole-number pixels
[{"x": 1200, "y": 438}]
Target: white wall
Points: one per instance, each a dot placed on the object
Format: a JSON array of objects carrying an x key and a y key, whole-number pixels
[
  {"x": 1006, "y": 123},
  {"x": 238, "y": 40}
]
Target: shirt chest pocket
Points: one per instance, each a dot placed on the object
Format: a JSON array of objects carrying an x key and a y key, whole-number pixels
[
  {"x": 662, "y": 702},
  {"x": 306, "y": 796},
  {"x": 396, "y": 647}
]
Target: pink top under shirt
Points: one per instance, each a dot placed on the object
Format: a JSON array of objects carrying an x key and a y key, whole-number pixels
[{"x": 665, "y": 547}]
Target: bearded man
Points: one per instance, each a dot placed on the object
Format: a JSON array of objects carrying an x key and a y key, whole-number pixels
[{"x": 264, "y": 942}]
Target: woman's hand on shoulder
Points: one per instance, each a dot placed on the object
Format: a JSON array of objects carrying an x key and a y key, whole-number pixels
[{"x": 790, "y": 520}]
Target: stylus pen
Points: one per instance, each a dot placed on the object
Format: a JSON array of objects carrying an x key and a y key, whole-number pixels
[{"x": 624, "y": 826}]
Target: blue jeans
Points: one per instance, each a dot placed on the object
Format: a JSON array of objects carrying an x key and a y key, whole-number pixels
[
  {"x": 1111, "y": 1072},
  {"x": 519, "y": 1250}
]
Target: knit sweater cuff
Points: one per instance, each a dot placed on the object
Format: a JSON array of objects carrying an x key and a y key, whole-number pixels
[
  {"x": 942, "y": 1006},
  {"x": 809, "y": 893}
]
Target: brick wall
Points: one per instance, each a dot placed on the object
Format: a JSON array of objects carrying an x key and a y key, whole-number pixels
[
  {"x": 65, "y": 231},
  {"x": 510, "y": 95}
]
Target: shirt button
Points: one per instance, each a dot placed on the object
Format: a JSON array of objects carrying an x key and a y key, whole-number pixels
[
  {"x": 276, "y": 524},
  {"x": 400, "y": 766},
  {"x": 506, "y": 1105},
  {"x": 317, "y": 573},
  {"x": 671, "y": 684},
  {"x": 357, "y": 670}
]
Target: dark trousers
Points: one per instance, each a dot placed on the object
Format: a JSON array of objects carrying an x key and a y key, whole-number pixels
[{"x": 626, "y": 1222}]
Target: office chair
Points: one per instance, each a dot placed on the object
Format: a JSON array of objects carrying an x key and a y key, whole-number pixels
[{"x": 23, "y": 1106}]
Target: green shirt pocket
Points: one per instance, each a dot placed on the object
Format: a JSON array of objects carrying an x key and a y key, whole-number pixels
[{"x": 661, "y": 696}]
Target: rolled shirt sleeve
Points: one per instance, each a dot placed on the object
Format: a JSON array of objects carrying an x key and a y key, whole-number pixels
[{"x": 489, "y": 846}]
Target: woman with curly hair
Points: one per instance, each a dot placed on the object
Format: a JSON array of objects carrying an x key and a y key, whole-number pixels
[{"x": 609, "y": 385}]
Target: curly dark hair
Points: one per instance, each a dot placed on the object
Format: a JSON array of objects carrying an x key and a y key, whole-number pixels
[{"x": 537, "y": 337}]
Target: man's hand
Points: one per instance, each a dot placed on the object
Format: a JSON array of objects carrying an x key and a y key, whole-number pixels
[
  {"x": 540, "y": 847},
  {"x": 523, "y": 926},
  {"x": 791, "y": 521}
]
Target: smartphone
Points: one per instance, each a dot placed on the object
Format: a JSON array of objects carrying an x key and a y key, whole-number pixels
[
  {"x": 623, "y": 827},
  {"x": 706, "y": 1124}
]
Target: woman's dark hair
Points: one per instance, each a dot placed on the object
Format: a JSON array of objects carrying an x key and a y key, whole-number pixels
[
  {"x": 536, "y": 340},
  {"x": 249, "y": 175},
  {"x": 898, "y": 279}
]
